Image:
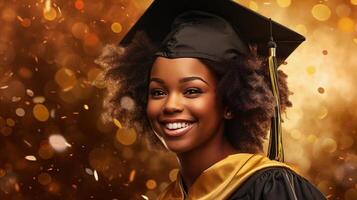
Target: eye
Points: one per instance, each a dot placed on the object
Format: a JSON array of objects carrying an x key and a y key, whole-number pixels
[
  {"x": 156, "y": 93},
  {"x": 192, "y": 91}
]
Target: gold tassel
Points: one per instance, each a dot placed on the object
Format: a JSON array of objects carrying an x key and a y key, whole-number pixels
[{"x": 275, "y": 150}]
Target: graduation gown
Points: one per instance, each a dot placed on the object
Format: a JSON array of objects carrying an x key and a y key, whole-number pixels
[{"x": 244, "y": 177}]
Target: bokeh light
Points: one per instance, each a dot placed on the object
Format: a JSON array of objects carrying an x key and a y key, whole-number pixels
[{"x": 321, "y": 12}]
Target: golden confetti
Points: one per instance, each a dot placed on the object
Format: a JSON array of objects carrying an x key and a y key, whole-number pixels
[
  {"x": 321, "y": 12},
  {"x": 144, "y": 197},
  {"x": 151, "y": 184},
  {"x": 132, "y": 175},
  {"x": 173, "y": 174},
  {"x": 284, "y": 3},
  {"x": 117, "y": 123},
  {"x": 95, "y": 174},
  {"x": 40, "y": 112},
  {"x": 126, "y": 136},
  {"x": 116, "y": 27},
  {"x": 85, "y": 106},
  {"x": 29, "y": 92},
  {"x": 38, "y": 99},
  {"x": 20, "y": 112},
  {"x": 58, "y": 142},
  {"x": 66, "y": 79},
  {"x": 30, "y": 158},
  {"x": 44, "y": 178},
  {"x": 10, "y": 122},
  {"x": 89, "y": 171}
]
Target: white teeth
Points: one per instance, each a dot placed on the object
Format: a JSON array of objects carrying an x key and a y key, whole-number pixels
[{"x": 177, "y": 125}]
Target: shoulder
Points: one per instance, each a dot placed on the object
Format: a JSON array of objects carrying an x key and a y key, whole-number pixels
[{"x": 277, "y": 183}]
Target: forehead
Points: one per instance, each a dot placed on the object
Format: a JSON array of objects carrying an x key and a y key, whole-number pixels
[{"x": 173, "y": 69}]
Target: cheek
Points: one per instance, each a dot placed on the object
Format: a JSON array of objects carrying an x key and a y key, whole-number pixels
[
  {"x": 153, "y": 109},
  {"x": 207, "y": 106}
]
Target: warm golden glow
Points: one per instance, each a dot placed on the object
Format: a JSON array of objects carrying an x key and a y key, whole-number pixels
[
  {"x": 284, "y": 3},
  {"x": 346, "y": 24}
]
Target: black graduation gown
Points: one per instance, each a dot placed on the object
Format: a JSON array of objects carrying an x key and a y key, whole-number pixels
[{"x": 276, "y": 183}]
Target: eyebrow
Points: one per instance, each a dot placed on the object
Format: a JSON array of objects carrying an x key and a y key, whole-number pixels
[{"x": 182, "y": 80}]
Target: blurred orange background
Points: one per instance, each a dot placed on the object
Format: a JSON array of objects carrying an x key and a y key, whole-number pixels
[{"x": 54, "y": 145}]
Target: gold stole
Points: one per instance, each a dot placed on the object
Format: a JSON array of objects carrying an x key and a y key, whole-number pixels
[{"x": 221, "y": 179}]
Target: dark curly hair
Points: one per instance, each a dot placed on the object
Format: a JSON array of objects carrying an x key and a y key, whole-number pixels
[{"x": 243, "y": 86}]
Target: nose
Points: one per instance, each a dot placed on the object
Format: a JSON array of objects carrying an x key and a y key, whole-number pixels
[{"x": 173, "y": 104}]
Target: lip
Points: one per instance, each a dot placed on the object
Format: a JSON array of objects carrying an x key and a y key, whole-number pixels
[{"x": 177, "y": 132}]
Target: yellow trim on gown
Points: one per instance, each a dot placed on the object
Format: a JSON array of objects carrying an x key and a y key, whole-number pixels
[{"x": 221, "y": 179}]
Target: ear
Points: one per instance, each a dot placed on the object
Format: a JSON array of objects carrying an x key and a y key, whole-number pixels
[{"x": 227, "y": 113}]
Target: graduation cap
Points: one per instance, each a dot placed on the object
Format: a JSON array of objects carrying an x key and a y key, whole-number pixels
[{"x": 219, "y": 29}]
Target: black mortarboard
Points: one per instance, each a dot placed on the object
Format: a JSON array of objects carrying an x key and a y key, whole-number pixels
[
  {"x": 219, "y": 30},
  {"x": 251, "y": 27}
]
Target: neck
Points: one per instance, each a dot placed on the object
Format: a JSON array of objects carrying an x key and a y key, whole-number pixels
[{"x": 194, "y": 162}]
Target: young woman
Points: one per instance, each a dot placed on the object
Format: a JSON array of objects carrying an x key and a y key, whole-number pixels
[{"x": 204, "y": 93}]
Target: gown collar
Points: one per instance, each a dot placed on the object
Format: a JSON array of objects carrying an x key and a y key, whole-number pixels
[{"x": 221, "y": 179}]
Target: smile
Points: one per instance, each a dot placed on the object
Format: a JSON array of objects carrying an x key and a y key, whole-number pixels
[{"x": 177, "y": 129}]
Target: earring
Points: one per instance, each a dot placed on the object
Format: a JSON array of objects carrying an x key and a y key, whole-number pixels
[{"x": 228, "y": 115}]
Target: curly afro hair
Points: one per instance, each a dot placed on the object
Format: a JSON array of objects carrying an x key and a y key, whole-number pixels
[{"x": 243, "y": 86}]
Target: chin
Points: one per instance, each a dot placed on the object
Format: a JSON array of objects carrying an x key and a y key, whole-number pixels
[{"x": 178, "y": 147}]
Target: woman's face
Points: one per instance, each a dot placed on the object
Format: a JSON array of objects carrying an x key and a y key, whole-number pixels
[{"x": 182, "y": 104}]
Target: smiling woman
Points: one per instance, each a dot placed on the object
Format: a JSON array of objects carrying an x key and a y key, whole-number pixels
[{"x": 204, "y": 93}]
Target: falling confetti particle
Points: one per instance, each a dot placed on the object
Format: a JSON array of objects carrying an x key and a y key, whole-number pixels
[
  {"x": 20, "y": 112},
  {"x": 126, "y": 136},
  {"x": 321, "y": 90},
  {"x": 145, "y": 197},
  {"x": 89, "y": 171},
  {"x": 40, "y": 112},
  {"x": 132, "y": 175},
  {"x": 39, "y": 99},
  {"x": 116, "y": 27},
  {"x": 151, "y": 184},
  {"x": 29, "y": 92},
  {"x": 30, "y": 158},
  {"x": 95, "y": 175},
  {"x": 85, "y": 106},
  {"x": 173, "y": 174},
  {"x": 58, "y": 142},
  {"x": 117, "y": 123}
]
